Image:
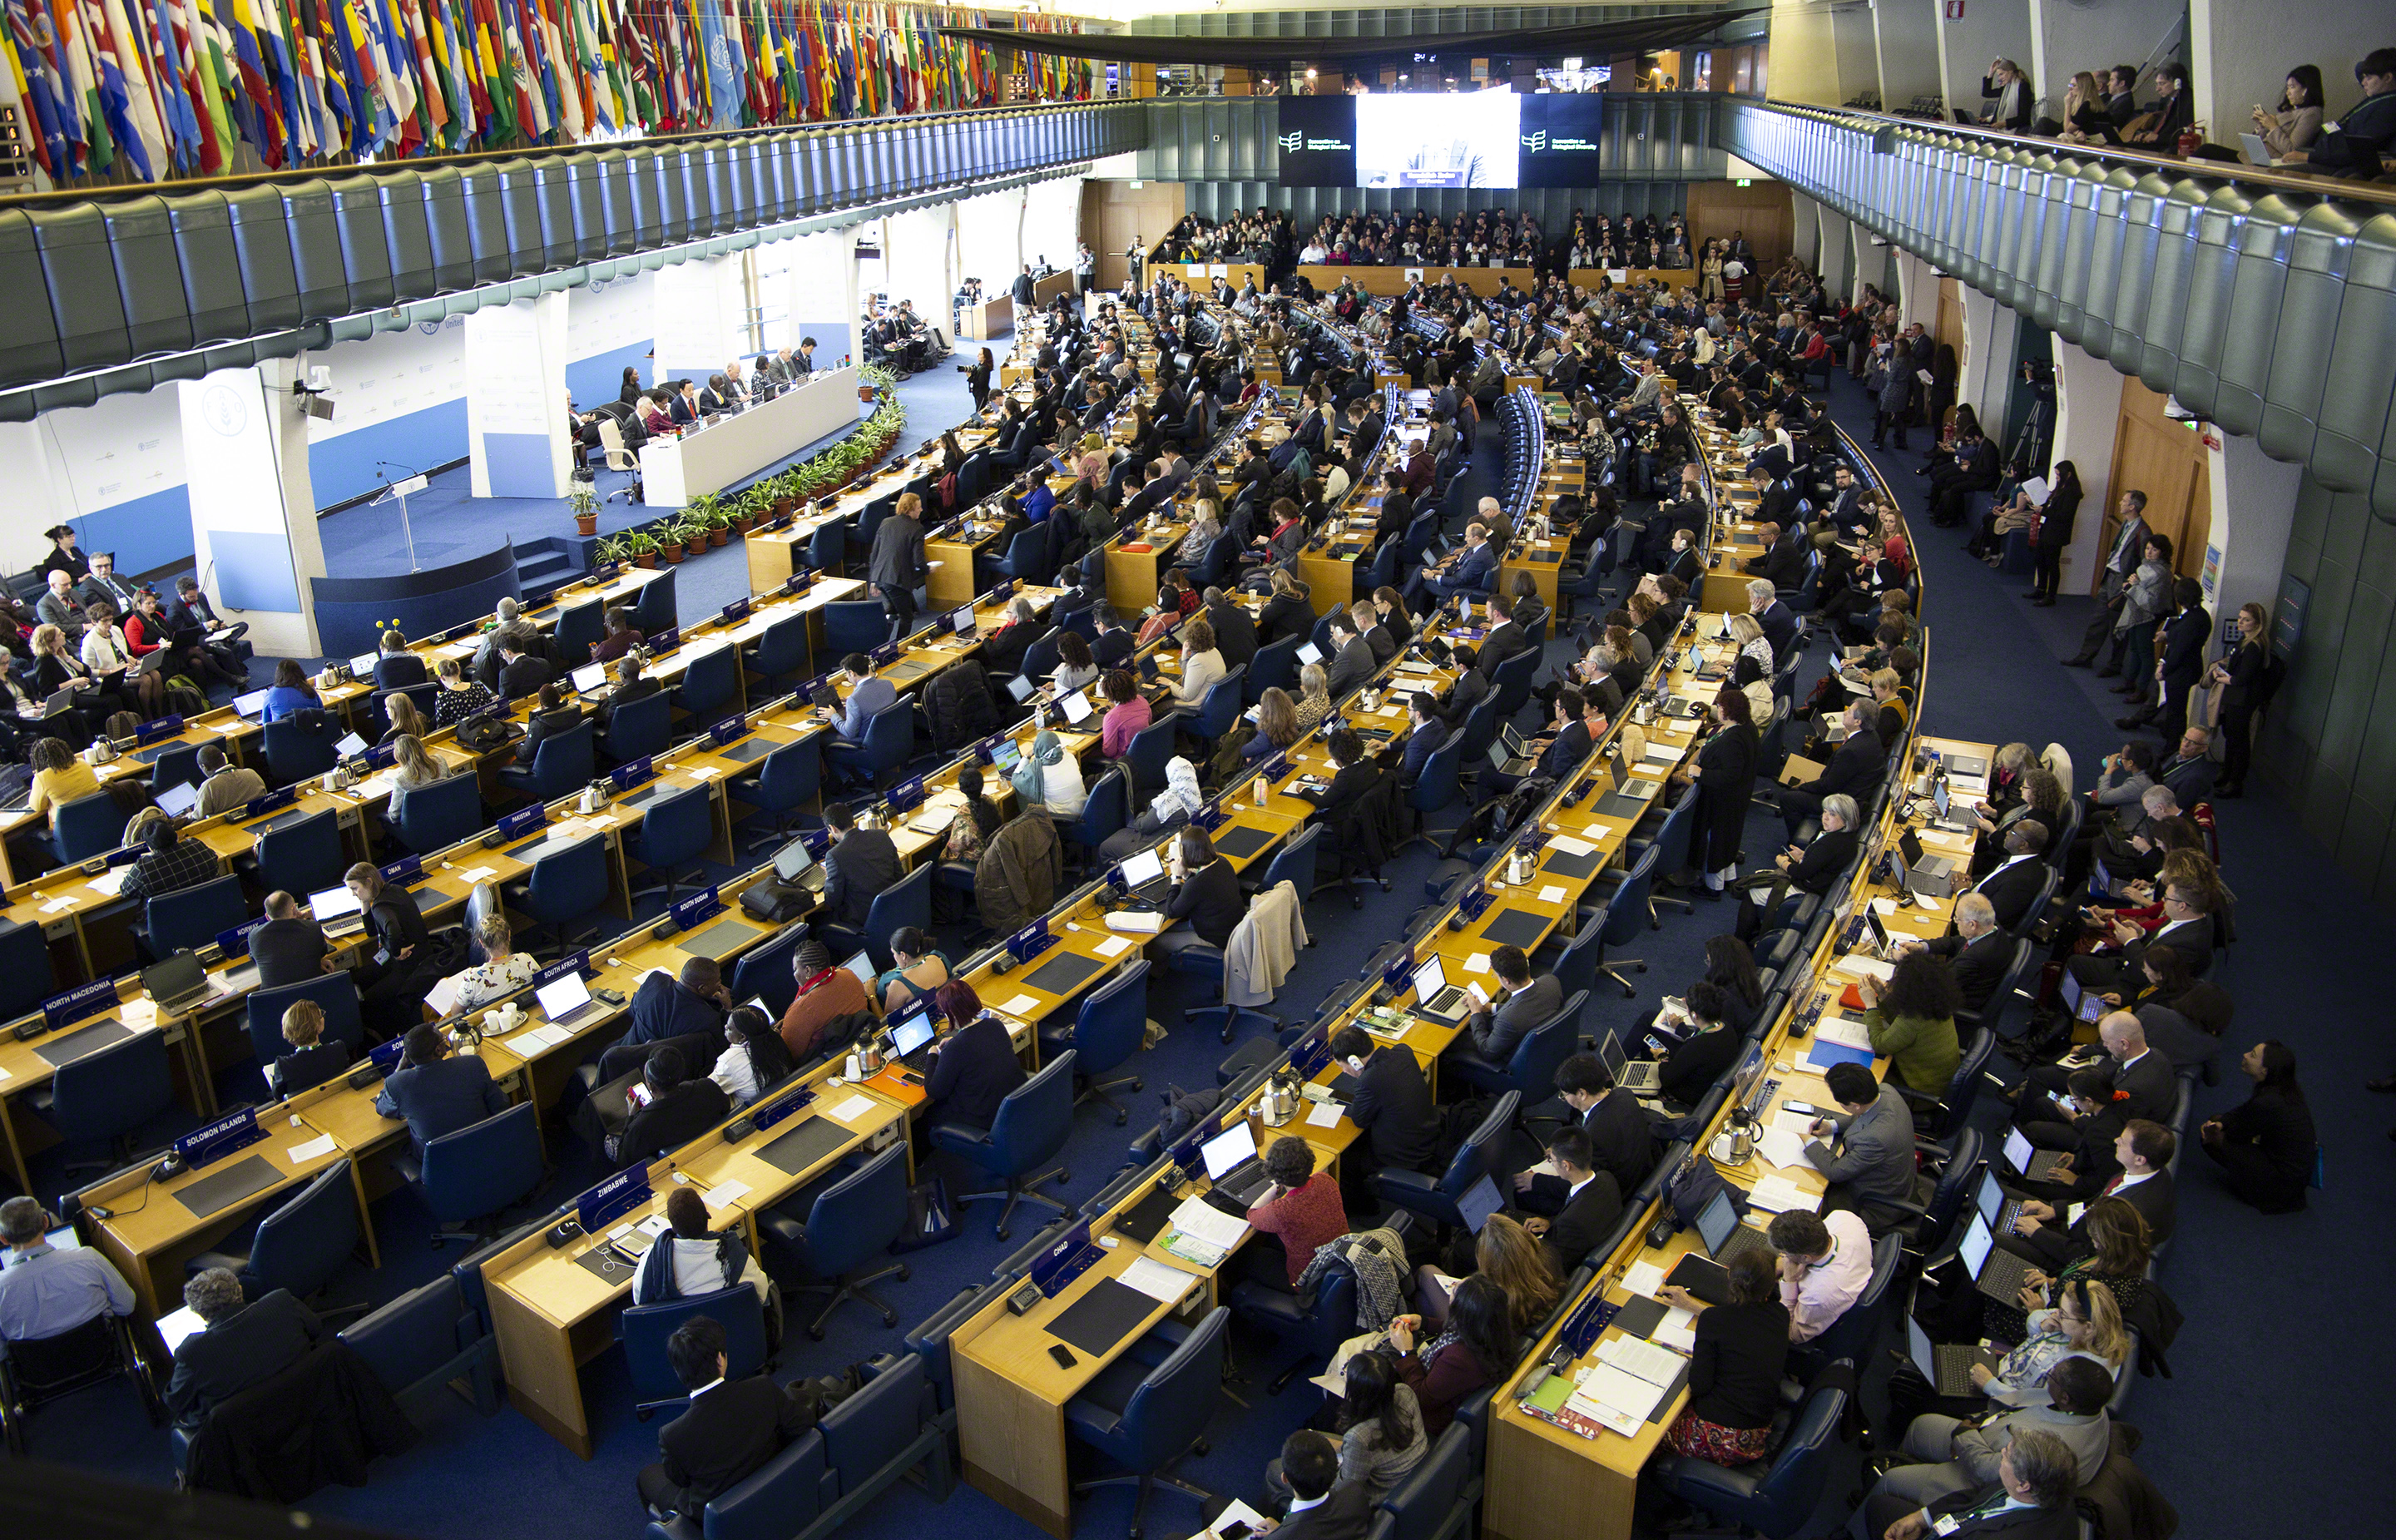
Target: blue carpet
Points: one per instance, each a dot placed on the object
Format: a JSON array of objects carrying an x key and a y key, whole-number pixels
[{"x": 2246, "y": 1281}]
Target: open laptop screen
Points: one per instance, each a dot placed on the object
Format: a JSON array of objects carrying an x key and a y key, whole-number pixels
[
  {"x": 333, "y": 904},
  {"x": 1227, "y": 1149},
  {"x": 561, "y": 997},
  {"x": 1430, "y": 979},
  {"x": 912, "y": 1034}
]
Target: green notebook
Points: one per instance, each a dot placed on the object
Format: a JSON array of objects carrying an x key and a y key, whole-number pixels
[{"x": 1551, "y": 1396}]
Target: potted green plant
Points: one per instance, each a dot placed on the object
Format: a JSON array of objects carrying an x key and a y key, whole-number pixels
[
  {"x": 719, "y": 522},
  {"x": 641, "y": 546},
  {"x": 668, "y": 538},
  {"x": 693, "y": 532},
  {"x": 611, "y": 551},
  {"x": 583, "y": 498}
]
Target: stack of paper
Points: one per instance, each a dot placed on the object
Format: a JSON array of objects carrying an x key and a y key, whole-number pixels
[
  {"x": 1201, "y": 1233},
  {"x": 1616, "y": 1398},
  {"x": 1781, "y": 1148},
  {"x": 1158, "y": 1282},
  {"x": 1799, "y": 1124},
  {"x": 1325, "y": 1114},
  {"x": 1139, "y": 922},
  {"x": 1779, "y": 1195},
  {"x": 1658, "y": 1366},
  {"x": 1843, "y": 1029},
  {"x": 1643, "y": 1279},
  {"x": 1678, "y": 1329},
  {"x": 1864, "y": 967}
]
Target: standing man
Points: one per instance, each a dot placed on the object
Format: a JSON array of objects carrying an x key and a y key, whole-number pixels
[
  {"x": 1085, "y": 266},
  {"x": 897, "y": 568},
  {"x": 1023, "y": 291},
  {"x": 2121, "y": 565}
]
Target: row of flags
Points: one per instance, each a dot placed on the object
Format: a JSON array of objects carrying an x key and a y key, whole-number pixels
[{"x": 172, "y": 87}]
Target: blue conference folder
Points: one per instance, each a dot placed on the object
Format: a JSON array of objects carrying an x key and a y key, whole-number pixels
[{"x": 1822, "y": 1054}]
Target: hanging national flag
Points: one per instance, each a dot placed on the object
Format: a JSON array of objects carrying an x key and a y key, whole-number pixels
[{"x": 34, "y": 41}]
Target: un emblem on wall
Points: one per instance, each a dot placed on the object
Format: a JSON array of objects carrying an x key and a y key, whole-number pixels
[{"x": 223, "y": 410}]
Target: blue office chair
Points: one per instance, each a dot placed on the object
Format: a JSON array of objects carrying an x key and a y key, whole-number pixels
[
  {"x": 828, "y": 548},
  {"x": 304, "y": 855},
  {"x": 1531, "y": 1067},
  {"x": 467, "y": 1178},
  {"x": 1438, "y": 1199},
  {"x": 1480, "y": 730},
  {"x": 1576, "y": 966},
  {"x": 105, "y": 1097},
  {"x": 1779, "y": 1497},
  {"x": 672, "y": 837},
  {"x": 1934, "y": 1220},
  {"x": 783, "y": 1497},
  {"x": 176, "y": 764},
  {"x": 296, "y": 750},
  {"x": 1027, "y": 558},
  {"x": 87, "y": 827},
  {"x": 2005, "y": 997},
  {"x": 1107, "y": 1031},
  {"x": 1150, "y": 748},
  {"x": 839, "y": 1231},
  {"x": 639, "y": 729},
  {"x": 561, "y": 764},
  {"x": 564, "y": 884},
  {"x": 437, "y": 817},
  {"x": 890, "y": 738},
  {"x": 1438, "y": 787},
  {"x": 1859, "y": 1325},
  {"x": 579, "y": 627},
  {"x": 854, "y": 626},
  {"x": 869, "y": 522},
  {"x": 1434, "y": 1502},
  {"x": 1939, "y": 1117},
  {"x": 1107, "y": 811},
  {"x": 301, "y": 1246},
  {"x": 333, "y": 994},
  {"x": 25, "y": 978},
  {"x": 1313, "y": 1326},
  {"x": 1511, "y": 683},
  {"x": 780, "y": 653},
  {"x": 906, "y": 902},
  {"x": 1627, "y": 914},
  {"x": 1674, "y": 844},
  {"x": 190, "y": 917},
  {"x": 1294, "y": 863},
  {"x": 1221, "y": 705},
  {"x": 1147, "y": 1419},
  {"x": 1274, "y": 667},
  {"x": 1031, "y": 1129},
  {"x": 1040, "y": 659},
  {"x": 425, "y": 1341},
  {"x": 646, "y": 1329},
  {"x": 710, "y": 682},
  {"x": 786, "y": 780},
  {"x": 655, "y": 611},
  {"x": 764, "y": 973},
  {"x": 878, "y": 1436}
]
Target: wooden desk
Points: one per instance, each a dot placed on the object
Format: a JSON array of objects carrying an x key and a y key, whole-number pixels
[
  {"x": 992, "y": 317},
  {"x": 552, "y": 1315},
  {"x": 1394, "y": 279}
]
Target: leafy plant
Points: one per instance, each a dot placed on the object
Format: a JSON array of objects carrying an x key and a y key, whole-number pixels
[
  {"x": 703, "y": 511},
  {"x": 689, "y": 531},
  {"x": 636, "y": 542},
  {"x": 583, "y": 500},
  {"x": 615, "y": 550}
]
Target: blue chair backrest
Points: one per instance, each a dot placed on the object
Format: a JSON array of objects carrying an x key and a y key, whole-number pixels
[
  {"x": 1040, "y": 657},
  {"x": 1511, "y": 683},
  {"x": 790, "y": 777},
  {"x": 875, "y": 1427},
  {"x": 828, "y": 547},
  {"x": 1027, "y": 554},
  {"x": 565, "y": 761},
  {"x": 1172, "y": 1406},
  {"x": 1419, "y": 1505},
  {"x": 870, "y": 517},
  {"x": 854, "y": 626},
  {"x": 295, "y": 752},
  {"x": 1151, "y": 746},
  {"x": 783, "y": 649},
  {"x": 646, "y": 1329},
  {"x": 194, "y": 917},
  {"x": 640, "y": 728},
  {"x": 333, "y": 993},
  {"x": 1627, "y": 912},
  {"x": 1533, "y": 1067},
  {"x": 437, "y": 817},
  {"x": 1480, "y": 1153},
  {"x": 87, "y": 827},
  {"x": 765, "y": 974},
  {"x": 1955, "y": 1179},
  {"x": 484, "y": 1167},
  {"x": 114, "y": 1090},
  {"x": 1107, "y": 810},
  {"x": 930, "y": 1342},
  {"x": 676, "y": 827},
  {"x": 1113, "y": 1020},
  {"x": 1793, "y": 1486},
  {"x": 303, "y": 1245},
  {"x": 859, "y": 1215},
  {"x": 1442, "y": 777},
  {"x": 417, "y": 1335},
  {"x": 569, "y": 881},
  {"x": 304, "y": 855},
  {"x": 973, "y": 479},
  {"x": 778, "y": 1500},
  {"x": 1274, "y": 668},
  {"x": 1321, "y": 637},
  {"x": 1859, "y": 1326},
  {"x": 1384, "y": 570},
  {"x": 891, "y": 735},
  {"x": 655, "y": 611},
  {"x": 905, "y": 902},
  {"x": 1480, "y": 729},
  {"x": 1295, "y": 863},
  {"x": 1221, "y": 705},
  {"x": 1420, "y": 533},
  {"x": 25, "y": 978},
  {"x": 1576, "y": 968},
  {"x": 176, "y": 764},
  {"x": 579, "y": 627},
  {"x": 1037, "y": 1117},
  {"x": 710, "y": 680}
]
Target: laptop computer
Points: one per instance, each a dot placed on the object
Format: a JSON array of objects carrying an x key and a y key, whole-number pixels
[
  {"x": 2257, "y": 152},
  {"x": 1309, "y": 653},
  {"x": 2082, "y": 1005},
  {"x": 1075, "y": 705},
  {"x": 825, "y": 697},
  {"x": 1435, "y": 997},
  {"x": 1723, "y": 1236},
  {"x": 589, "y": 679},
  {"x": 64, "y": 701},
  {"x": 1019, "y": 688},
  {"x": 1995, "y": 1272},
  {"x": 336, "y": 904},
  {"x": 177, "y": 800},
  {"x": 1143, "y": 876},
  {"x": 249, "y": 708},
  {"x": 1233, "y": 1168},
  {"x": 1941, "y": 801},
  {"x": 1482, "y": 1201},
  {"x": 1508, "y": 754},
  {"x": 1639, "y": 1077},
  {"x": 1948, "y": 1366},
  {"x": 563, "y": 998},
  {"x": 1626, "y": 797},
  {"x": 1004, "y": 756},
  {"x": 1995, "y": 1205},
  {"x": 177, "y": 982},
  {"x": 961, "y": 621},
  {"x": 1931, "y": 876},
  {"x": 862, "y": 966},
  {"x": 2034, "y": 1164},
  {"x": 795, "y": 866},
  {"x": 912, "y": 1037}
]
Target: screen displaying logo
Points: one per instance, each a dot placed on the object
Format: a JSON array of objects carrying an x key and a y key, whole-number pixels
[
  {"x": 1292, "y": 141},
  {"x": 1535, "y": 142}
]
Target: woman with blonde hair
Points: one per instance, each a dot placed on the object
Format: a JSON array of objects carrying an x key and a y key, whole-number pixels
[
  {"x": 1313, "y": 696},
  {"x": 413, "y": 767},
  {"x": 1202, "y": 664},
  {"x": 501, "y": 972},
  {"x": 406, "y": 720}
]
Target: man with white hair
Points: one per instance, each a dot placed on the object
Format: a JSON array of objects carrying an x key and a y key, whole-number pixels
[
  {"x": 1977, "y": 952},
  {"x": 1781, "y": 626},
  {"x": 1853, "y": 769},
  {"x": 1471, "y": 570},
  {"x": 486, "y": 663}
]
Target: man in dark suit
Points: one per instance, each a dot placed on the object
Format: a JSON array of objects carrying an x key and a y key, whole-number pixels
[
  {"x": 861, "y": 863},
  {"x": 1505, "y": 638},
  {"x": 731, "y": 1429},
  {"x": 1114, "y": 645},
  {"x": 631, "y": 685},
  {"x": 1426, "y": 734},
  {"x": 1023, "y": 292},
  {"x": 1352, "y": 662},
  {"x": 2140, "y": 1080},
  {"x": 1621, "y": 1140},
  {"x": 2191, "y": 770},
  {"x": 1390, "y": 1099},
  {"x": 2014, "y": 885},
  {"x": 552, "y": 714},
  {"x": 667, "y": 1007},
  {"x": 1586, "y": 1202},
  {"x": 522, "y": 667},
  {"x": 2142, "y": 1155},
  {"x": 437, "y": 1094},
  {"x": 1320, "y": 1505},
  {"x": 1865, "y": 1149},
  {"x": 240, "y": 1347},
  {"x": 2186, "y": 927},
  {"x": 2179, "y": 664},
  {"x": 896, "y": 566},
  {"x": 2037, "y": 1479},
  {"x": 1783, "y": 562},
  {"x": 1235, "y": 631},
  {"x": 1781, "y": 626},
  {"x": 1524, "y": 1001},
  {"x": 1854, "y": 768},
  {"x": 287, "y": 948},
  {"x": 1977, "y": 953},
  {"x": 680, "y": 1108}
]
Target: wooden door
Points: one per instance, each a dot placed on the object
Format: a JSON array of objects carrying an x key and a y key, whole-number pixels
[{"x": 2167, "y": 460}]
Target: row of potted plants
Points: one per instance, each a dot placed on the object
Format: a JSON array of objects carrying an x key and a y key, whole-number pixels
[{"x": 711, "y": 520}]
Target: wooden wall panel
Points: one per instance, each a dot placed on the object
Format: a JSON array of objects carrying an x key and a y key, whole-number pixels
[
  {"x": 1114, "y": 213},
  {"x": 2168, "y": 461},
  {"x": 1764, "y": 211}
]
